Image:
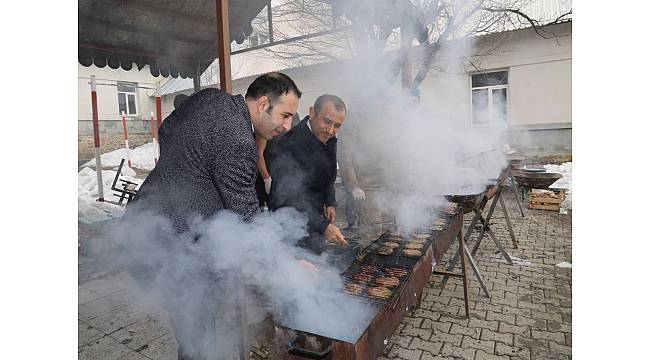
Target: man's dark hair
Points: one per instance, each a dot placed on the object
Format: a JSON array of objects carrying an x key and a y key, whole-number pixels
[
  {"x": 338, "y": 103},
  {"x": 272, "y": 85},
  {"x": 178, "y": 100}
]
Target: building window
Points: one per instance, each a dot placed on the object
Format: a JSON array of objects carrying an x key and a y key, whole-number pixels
[
  {"x": 253, "y": 41},
  {"x": 126, "y": 98},
  {"x": 490, "y": 98}
]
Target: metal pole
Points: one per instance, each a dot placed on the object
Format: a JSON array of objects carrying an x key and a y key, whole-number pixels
[
  {"x": 158, "y": 107},
  {"x": 154, "y": 136},
  {"x": 269, "y": 15},
  {"x": 98, "y": 159},
  {"x": 461, "y": 245},
  {"x": 223, "y": 45},
  {"x": 126, "y": 139}
]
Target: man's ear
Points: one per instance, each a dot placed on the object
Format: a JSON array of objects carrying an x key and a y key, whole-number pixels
[
  {"x": 262, "y": 103},
  {"x": 312, "y": 112}
]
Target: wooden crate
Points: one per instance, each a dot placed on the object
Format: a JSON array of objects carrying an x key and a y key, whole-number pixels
[{"x": 546, "y": 201}]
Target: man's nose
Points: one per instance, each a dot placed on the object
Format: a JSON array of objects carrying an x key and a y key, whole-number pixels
[{"x": 287, "y": 125}]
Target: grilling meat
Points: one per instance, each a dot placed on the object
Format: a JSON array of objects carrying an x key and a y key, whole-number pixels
[
  {"x": 353, "y": 288},
  {"x": 412, "y": 253},
  {"x": 362, "y": 278},
  {"x": 368, "y": 269},
  {"x": 379, "y": 292},
  {"x": 450, "y": 208},
  {"x": 387, "y": 281},
  {"x": 439, "y": 222},
  {"x": 392, "y": 245},
  {"x": 397, "y": 272},
  {"x": 413, "y": 246}
]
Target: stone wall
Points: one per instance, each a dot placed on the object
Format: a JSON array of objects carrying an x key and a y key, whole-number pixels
[{"x": 108, "y": 142}]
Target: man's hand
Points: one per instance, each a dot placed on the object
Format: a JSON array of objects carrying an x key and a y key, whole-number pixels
[
  {"x": 358, "y": 194},
  {"x": 311, "y": 268},
  {"x": 267, "y": 185},
  {"x": 333, "y": 235},
  {"x": 330, "y": 214}
]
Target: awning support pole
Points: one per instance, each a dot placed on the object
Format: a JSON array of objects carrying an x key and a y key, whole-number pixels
[
  {"x": 98, "y": 159},
  {"x": 223, "y": 45}
]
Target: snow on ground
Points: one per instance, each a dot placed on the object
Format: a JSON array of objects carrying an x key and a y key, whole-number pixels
[
  {"x": 142, "y": 157},
  {"x": 564, "y": 264},
  {"x": 564, "y": 182},
  {"x": 90, "y": 210}
]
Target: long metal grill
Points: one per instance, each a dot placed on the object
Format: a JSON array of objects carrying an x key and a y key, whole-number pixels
[{"x": 386, "y": 265}]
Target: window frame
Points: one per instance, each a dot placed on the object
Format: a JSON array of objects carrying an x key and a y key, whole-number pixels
[
  {"x": 489, "y": 88},
  {"x": 126, "y": 96}
]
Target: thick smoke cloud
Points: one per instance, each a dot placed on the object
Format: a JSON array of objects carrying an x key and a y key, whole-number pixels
[{"x": 202, "y": 278}]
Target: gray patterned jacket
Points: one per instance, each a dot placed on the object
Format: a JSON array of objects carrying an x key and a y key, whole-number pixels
[{"x": 207, "y": 161}]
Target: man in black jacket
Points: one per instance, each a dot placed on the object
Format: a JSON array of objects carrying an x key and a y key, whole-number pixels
[
  {"x": 207, "y": 163},
  {"x": 303, "y": 168}
]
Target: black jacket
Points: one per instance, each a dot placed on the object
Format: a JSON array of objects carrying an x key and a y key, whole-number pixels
[
  {"x": 207, "y": 161},
  {"x": 303, "y": 171}
]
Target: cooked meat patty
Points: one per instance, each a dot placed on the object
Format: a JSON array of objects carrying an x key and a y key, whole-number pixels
[
  {"x": 353, "y": 288},
  {"x": 387, "y": 281},
  {"x": 379, "y": 292},
  {"x": 362, "y": 278},
  {"x": 413, "y": 246},
  {"x": 394, "y": 271},
  {"x": 368, "y": 269},
  {"x": 412, "y": 253}
]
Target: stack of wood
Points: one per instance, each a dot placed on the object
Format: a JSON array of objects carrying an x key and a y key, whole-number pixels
[{"x": 546, "y": 199}]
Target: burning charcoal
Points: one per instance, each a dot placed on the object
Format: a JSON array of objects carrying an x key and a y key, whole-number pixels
[
  {"x": 385, "y": 250},
  {"x": 387, "y": 281},
  {"x": 379, "y": 292},
  {"x": 394, "y": 271},
  {"x": 413, "y": 246},
  {"x": 353, "y": 288},
  {"x": 412, "y": 253}
]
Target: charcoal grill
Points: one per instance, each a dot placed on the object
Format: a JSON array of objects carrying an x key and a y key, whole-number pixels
[
  {"x": 493, "y": 191},
  {"x": 535, "y": 180},
  {"x": 390, "y": 311}
]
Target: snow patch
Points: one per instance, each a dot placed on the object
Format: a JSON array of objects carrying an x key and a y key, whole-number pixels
[{"x": 142, "y": 157}]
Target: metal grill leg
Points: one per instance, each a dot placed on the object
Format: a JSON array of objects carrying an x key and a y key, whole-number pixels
[
  {"x": 461, "y": 245},
  {"x": 514, "y": 184},
  {"x": 485, "y": 221},
  {"x": 477, "y": 274},
  {"x": 454, "y": 259},
  {"x": 505, "y": 213}
]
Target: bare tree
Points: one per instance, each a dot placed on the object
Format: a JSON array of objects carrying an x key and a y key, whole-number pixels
[{"x": 365, "y": 29}]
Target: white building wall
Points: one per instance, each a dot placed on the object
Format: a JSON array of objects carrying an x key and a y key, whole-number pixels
[
  {"x": 107, "y": 105},
  {"x": 539, "y": 79}
]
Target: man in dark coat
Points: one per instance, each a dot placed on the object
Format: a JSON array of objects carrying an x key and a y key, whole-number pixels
[
  {"x": 303, "y": 168},
  {"x": 207, "y": 164}
]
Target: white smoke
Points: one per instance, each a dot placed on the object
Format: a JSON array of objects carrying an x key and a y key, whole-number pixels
[{"x": 197, "y": 279}]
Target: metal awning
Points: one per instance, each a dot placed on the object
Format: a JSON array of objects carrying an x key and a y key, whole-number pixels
[{"x": 175, "y": 38}]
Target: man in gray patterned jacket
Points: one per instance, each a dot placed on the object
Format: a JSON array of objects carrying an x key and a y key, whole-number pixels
[{"x": 207, "y": 163}]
